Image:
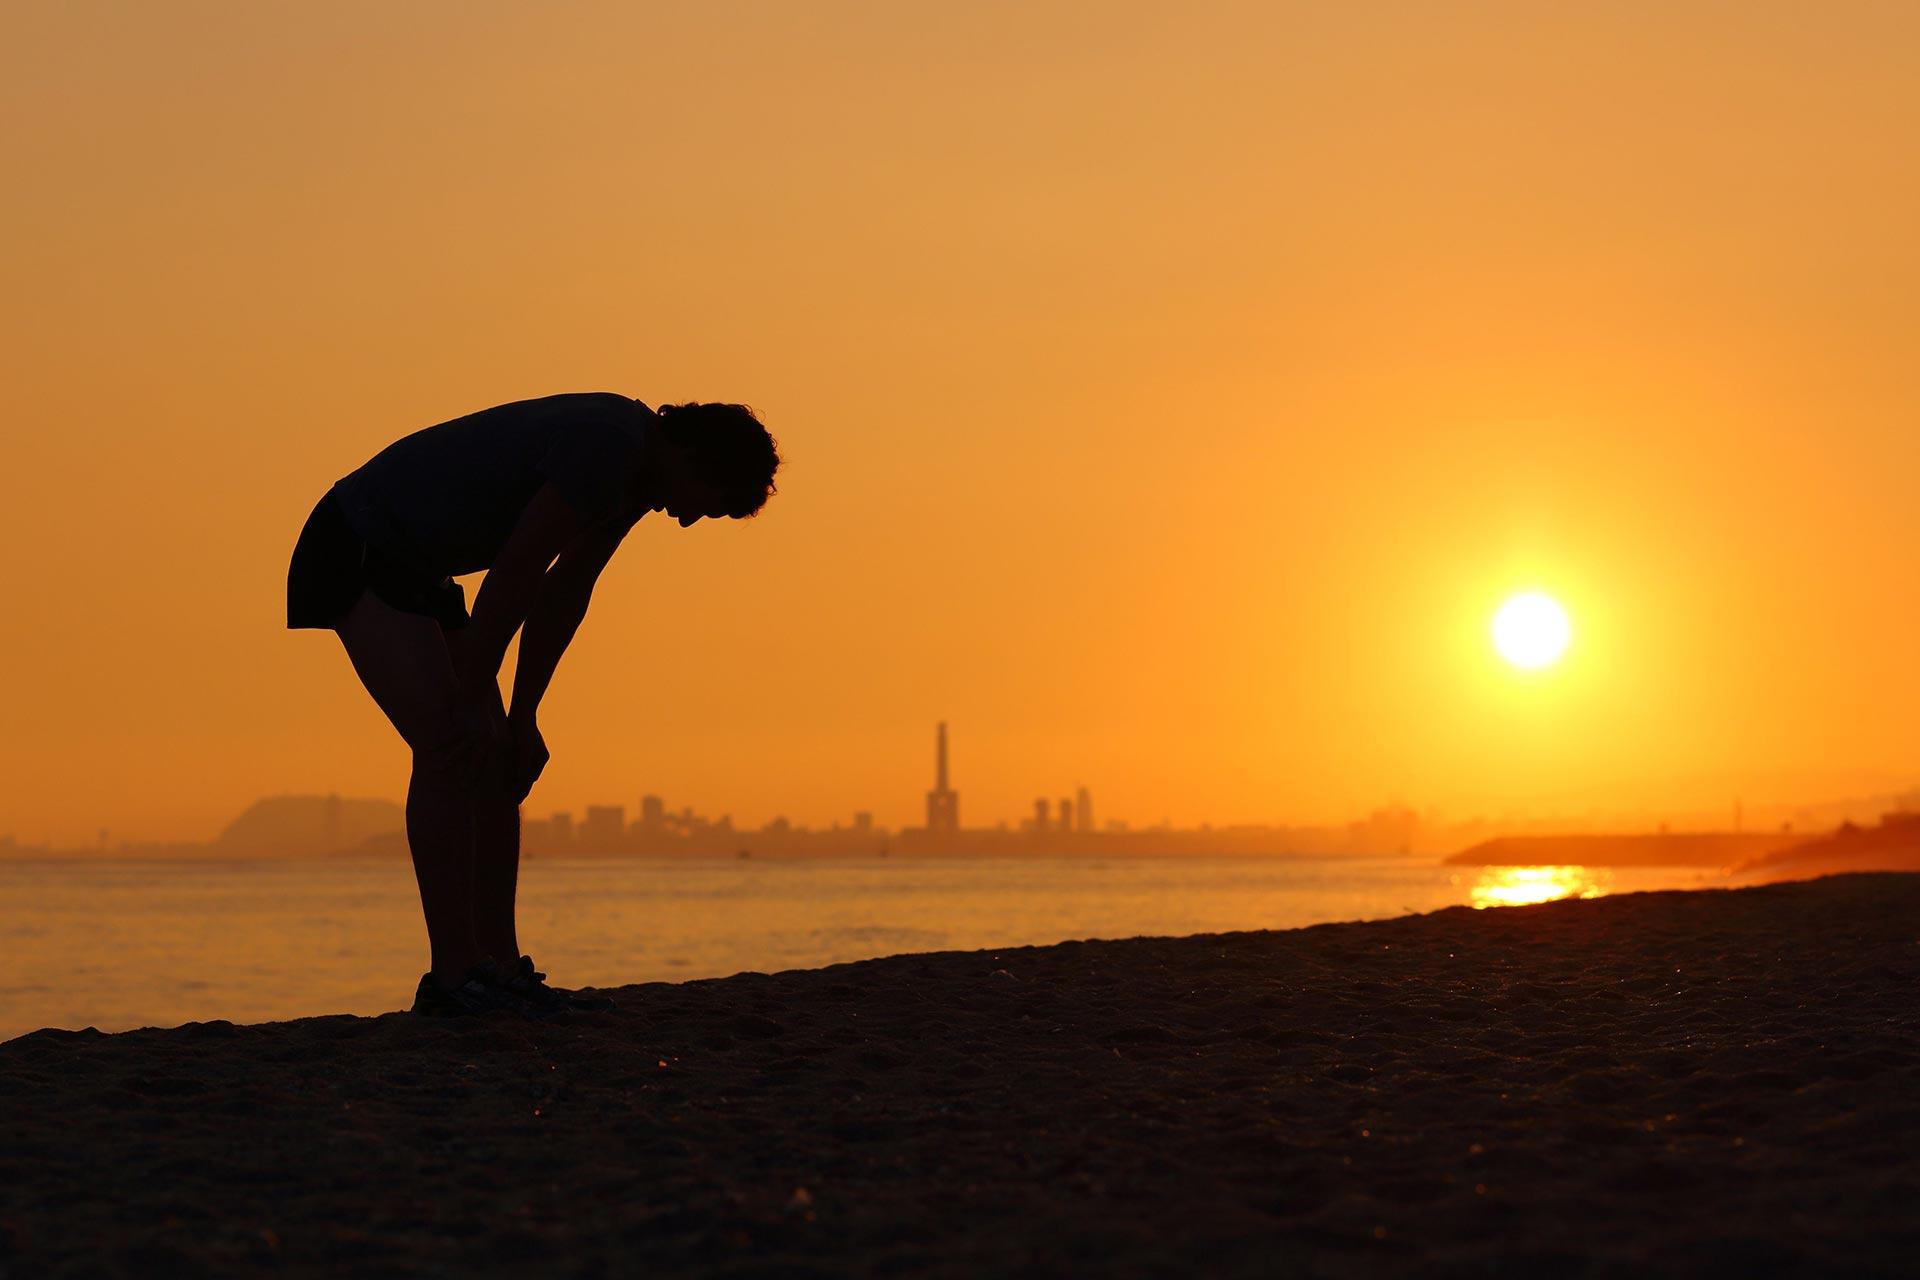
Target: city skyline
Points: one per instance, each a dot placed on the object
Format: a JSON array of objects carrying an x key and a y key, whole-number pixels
[{"x": 1049, "y": 824}]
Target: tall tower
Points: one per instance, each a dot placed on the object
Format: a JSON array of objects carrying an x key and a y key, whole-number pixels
[
  {"x": 943, "y": 802},
  {"x": 1082, "y": 811}
]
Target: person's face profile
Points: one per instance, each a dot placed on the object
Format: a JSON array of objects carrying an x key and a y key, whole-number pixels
[{"x": 691, "y": 501}]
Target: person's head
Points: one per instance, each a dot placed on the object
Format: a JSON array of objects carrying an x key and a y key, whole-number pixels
[{"x": 720, "y": 461}]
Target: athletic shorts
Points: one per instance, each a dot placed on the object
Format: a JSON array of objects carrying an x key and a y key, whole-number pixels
[{"x": 332, "y": 565}]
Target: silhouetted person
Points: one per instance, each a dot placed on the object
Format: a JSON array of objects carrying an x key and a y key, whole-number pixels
[{"x": 538, "y": 493}]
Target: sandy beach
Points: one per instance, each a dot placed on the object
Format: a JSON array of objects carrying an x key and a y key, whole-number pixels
[{"x": 1724, "y": 1081}]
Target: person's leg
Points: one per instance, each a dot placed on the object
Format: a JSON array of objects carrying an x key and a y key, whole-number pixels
[
  {"x": 496, "y": 870},
  {"x": 402, "y": 660}
]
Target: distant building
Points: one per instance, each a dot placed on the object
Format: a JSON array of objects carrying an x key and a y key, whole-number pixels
[
  {"x": 1082, "y": 811},
  {"x": 943, "y": 803},
  {"x": 604, "y": 830},
  {"x": 1066, "y": 814},
  {"x": 653, "y": 814},
  {"x": 1041, "y": 822},
  {"x": 863, "y": 822},
  {"x": 550, "y": 835},
  {"x": 1390, "y": 830}
]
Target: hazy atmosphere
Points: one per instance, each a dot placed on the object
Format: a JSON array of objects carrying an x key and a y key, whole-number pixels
[
  {"x": 1247, "y": 637},
  {"x": 1170, "y": 394}
]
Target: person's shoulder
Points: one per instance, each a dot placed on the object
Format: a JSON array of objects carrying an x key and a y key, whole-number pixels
[
  {"x": 604, "y": 402},
  {"x": 611, "y": 416},
  {"x": 599, "y": 412},
  {"x": 572, "y": 404}
]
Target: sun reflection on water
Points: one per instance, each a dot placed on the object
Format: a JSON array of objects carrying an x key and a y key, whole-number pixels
[{"x": 1520, "y": 886}]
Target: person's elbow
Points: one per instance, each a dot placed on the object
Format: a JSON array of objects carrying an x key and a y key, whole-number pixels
[
  {"x": 547, "y": 526},
  {"x": 565, "y": 593}
]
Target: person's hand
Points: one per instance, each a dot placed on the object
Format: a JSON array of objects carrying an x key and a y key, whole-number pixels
[{"x": 530, "y": 755}]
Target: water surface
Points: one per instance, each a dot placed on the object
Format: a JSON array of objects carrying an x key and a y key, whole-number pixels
[{"x": 115, "y": 945}]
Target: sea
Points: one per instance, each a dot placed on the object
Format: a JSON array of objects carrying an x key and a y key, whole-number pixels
[{"x": 119, "y": 945}]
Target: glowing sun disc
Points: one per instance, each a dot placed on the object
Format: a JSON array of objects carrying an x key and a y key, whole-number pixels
[{"x": 1531, "y": 630}]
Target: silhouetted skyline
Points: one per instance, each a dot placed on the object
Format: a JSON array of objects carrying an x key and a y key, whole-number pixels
[{"x": 297, "y": 825}]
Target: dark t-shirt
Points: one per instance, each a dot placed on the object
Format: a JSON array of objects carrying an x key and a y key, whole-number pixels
[{"x": 444, "y": 499}]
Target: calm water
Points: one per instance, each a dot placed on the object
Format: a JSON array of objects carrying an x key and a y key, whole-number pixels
[{"x": 129, "y": 944}]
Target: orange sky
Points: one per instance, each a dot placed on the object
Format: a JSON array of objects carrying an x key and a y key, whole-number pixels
[{"x": 1170, "y": 391}]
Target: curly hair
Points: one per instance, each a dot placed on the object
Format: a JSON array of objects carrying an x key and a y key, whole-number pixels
[{"x": 730, "y": 449}]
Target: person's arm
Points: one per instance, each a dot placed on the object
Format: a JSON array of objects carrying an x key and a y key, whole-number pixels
[
  {"x": 557, "y": 611},
  {"x": 512, "y": 585},
  {"x": 556, "y": 615}
]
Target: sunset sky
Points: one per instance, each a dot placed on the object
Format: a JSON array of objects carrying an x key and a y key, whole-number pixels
[{"x": 1171, "y": 393}]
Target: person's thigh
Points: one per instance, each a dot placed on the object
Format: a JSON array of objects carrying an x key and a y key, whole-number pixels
[{"x": 402, "y": 660}]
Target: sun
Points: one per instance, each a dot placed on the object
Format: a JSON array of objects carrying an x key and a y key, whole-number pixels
[{"x": 1531, "y": 630}]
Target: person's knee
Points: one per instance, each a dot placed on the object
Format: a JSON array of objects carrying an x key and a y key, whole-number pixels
[
  {"x": 444, "y": 764},
  {"x": 456, "y": 763}
]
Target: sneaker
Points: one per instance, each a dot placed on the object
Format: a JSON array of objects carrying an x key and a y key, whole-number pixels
[
  {"x": 530, "y": 985},
  {"x": 431, "y": 1000}
]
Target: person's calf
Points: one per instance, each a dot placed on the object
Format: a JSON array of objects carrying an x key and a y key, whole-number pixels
[
  {"x": 496, "y": 873},
  {"x": 440, "y": 838}
]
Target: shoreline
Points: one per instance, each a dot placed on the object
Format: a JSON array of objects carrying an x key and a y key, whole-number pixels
[
  {"x": 1666, "y": 1082},
  {"x": 301, "y": 938}
]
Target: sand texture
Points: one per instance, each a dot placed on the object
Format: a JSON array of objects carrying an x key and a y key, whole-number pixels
[{"x": 1710, "y": 1082}]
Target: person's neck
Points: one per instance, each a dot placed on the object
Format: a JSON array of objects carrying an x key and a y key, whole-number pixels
[{"x": 655, "y": 465}]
